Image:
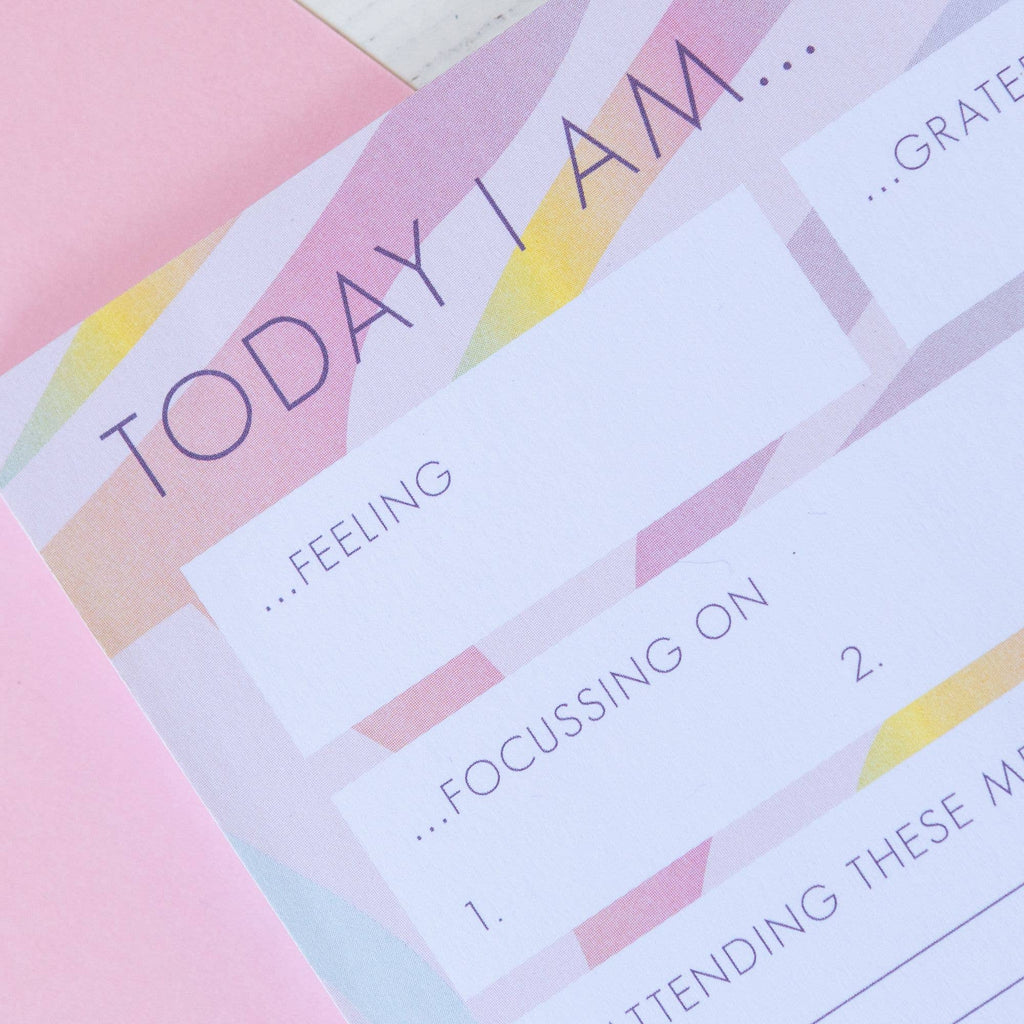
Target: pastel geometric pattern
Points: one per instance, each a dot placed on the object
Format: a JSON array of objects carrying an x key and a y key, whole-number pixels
[
  {"x": 99, "y": 345},
  {"x": 565, "y": 242},
  {"x": 945, "y": 707},
  {"x": 421, "y": 162},
  {"x": 782, "y": 816}
]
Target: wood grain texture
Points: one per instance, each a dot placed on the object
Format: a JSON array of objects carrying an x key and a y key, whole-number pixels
[{"x": 420, "y": 39}]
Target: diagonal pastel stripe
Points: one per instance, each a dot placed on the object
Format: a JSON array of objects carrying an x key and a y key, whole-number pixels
[
  {"x": 642, "y": 909},
  {"x": 94, "y": 554},
  {"x": 103, "y": 340},
  {"x": 768, "y": 826},
  {"x": 564, "y": 243},
  {"x": 945, "y": 707}
]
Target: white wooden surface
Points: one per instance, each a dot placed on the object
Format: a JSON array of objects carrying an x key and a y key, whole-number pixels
[{"x": 420, "y": 39}]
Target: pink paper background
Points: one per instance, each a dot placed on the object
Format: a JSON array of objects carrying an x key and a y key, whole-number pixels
[
  {"x": 132, "y": 129},
  {"x": 121, "y": 899}
]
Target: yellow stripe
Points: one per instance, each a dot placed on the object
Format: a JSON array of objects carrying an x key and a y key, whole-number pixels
[
  {"x": 945, "y": 707},
  {"x": 102, "y": 341}
]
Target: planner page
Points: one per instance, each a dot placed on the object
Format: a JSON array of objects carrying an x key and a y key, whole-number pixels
[{"x": 569, "y": 534}]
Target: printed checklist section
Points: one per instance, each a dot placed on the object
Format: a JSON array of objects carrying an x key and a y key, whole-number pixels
[
  {"x": 524, "y": 471},
  {"x": 796, "y": 632},
  {"x": 904, "y": 904},
  {"x": 920, "y": 184}
]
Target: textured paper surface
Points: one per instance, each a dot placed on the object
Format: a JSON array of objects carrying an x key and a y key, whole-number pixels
[{"x": 443, "y": 845}]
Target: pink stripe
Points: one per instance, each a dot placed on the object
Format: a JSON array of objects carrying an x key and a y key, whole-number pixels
[
  {"x": 542, "y": 976},
  {"x": 431, "y": 700},
  {"x": 642, "y": 909},
  {"x": 697, "y": 520},
  {"x": 951, "y": 348},
  {"x": 829, "y": 269}
]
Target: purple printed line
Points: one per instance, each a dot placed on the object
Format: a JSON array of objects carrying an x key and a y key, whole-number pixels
[{"x": 501, "y": 215}]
